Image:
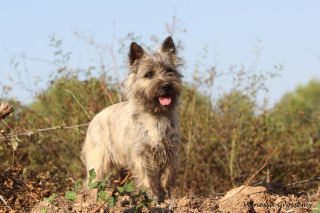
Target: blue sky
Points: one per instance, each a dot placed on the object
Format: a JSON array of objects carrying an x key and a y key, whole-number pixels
[{"x": 287, "y": 31}]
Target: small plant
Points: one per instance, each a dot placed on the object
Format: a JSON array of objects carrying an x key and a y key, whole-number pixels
[
  {"x": 124, "y": 187},
  {"x": 128, "y": 187},
  {"x": 318, "y": 208},
  {"x": 69, "y": 196},
  {"x": 145, "y": 202},
  {"x": 72, "y": 195},
  {"x": 51, "y": 198},
  {"x": 43, "y": 210},
  {"x": 100, "y": 185}
]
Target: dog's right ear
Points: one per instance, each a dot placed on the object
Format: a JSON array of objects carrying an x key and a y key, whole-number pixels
[{"x": 136, "y": 52}]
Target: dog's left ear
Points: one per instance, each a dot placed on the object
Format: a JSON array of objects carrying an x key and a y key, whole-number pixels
[{"x": 168, "y": 46}]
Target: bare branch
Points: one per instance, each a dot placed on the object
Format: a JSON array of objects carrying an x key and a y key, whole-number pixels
[
  {"x": 30, "y": 132},
  {"x": 5, "y": 203},
  {"x": 312, "y": 180}
]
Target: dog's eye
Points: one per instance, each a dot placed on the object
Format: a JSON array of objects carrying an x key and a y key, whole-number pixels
[
  {"x": 149, "y": 74},
  {"x": 170, "y": 72}
]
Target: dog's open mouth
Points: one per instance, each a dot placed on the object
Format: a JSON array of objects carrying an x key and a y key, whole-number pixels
[{"x": 165, "y": 101}]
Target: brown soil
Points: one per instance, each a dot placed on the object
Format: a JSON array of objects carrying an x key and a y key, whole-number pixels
[
  {"x": 22, "y": 189},
  {"x": 241, "y": 199},
  {"x": 23, "y": 192}
]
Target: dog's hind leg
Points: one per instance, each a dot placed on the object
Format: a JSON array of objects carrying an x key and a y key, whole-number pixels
[{"x": 94, "y": 157}]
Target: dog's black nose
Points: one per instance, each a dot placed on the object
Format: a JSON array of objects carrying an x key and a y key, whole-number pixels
[{"x": 166, "y": 86}]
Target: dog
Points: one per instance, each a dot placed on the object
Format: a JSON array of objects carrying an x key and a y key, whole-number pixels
[{"x": 142, "y": 134}]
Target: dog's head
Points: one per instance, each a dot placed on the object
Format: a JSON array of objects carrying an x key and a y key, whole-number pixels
[{"x": 154, "y": 80}]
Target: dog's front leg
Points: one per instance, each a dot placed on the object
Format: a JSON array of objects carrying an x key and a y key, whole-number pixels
[
  {"x": 156, "y": 188},
  {"x": 168, "y": 174},
  {"x": 146, "y": 176}
]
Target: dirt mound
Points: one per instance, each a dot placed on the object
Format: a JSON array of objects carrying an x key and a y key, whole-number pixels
[
  {"x": 241, "y": 199},
  {"x": 258, "y": 199}
]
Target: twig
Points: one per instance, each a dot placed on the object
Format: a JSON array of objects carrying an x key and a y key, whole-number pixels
[
  {"x": 3, "y": 136},
  {"x": 304, "y": 181},
  {"x": 255, "y": 174},
  {"x": 190, "y": 137},
  {"x": 30, "y": 132},
  {"x": 250, "y": 179},
  {"x": 103, "y": 86},
  {"x": 32, "y": 196},
  {"x": 150, "y": 208},
  {"x": 78, "y": 102},
  {"x": 113, "y": 192},
  {"x": 5, "y": 203},
  {"x": 98, "y": 207},
  {"x": 115, "y": 66}
]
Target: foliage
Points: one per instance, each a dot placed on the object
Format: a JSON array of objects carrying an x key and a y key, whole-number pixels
[
  {"x": 100, "y": 185},
  {"x": 126, "y": 189},
  {"x": 140, "y": 199},
  {"x": 70, "y": 196},
  {"x": 51, "y": 198},
  {"x": 305, "y": 99},
  {"x": 61, "y": 105},
  {"x": 146, "y": 202},
  {"x": 44, "y": 210},
  {"x": 318, "y": 208}
]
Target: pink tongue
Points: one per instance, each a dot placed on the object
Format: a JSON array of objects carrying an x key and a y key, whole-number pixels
[{"x": 165, "y": 101}]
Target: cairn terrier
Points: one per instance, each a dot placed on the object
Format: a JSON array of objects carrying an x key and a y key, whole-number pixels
[{"x": 142, "y": 134}]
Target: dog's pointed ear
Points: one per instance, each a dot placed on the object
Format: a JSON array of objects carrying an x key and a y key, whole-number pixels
[
  {"x": 168, "y": 46},
  {"x": 136, "y": 52}
]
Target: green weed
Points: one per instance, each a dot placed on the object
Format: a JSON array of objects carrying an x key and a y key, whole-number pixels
[
  {"x": 318, "y": 208},
  {"x": 51, "y": 198},
  {"x": 126, "y": 189}
]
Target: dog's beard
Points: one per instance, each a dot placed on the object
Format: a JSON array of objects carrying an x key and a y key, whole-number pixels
[{"x": 157, "y": 101}]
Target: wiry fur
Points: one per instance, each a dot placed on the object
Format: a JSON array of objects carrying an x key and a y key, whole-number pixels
[{"x": 140, "y": 135}]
